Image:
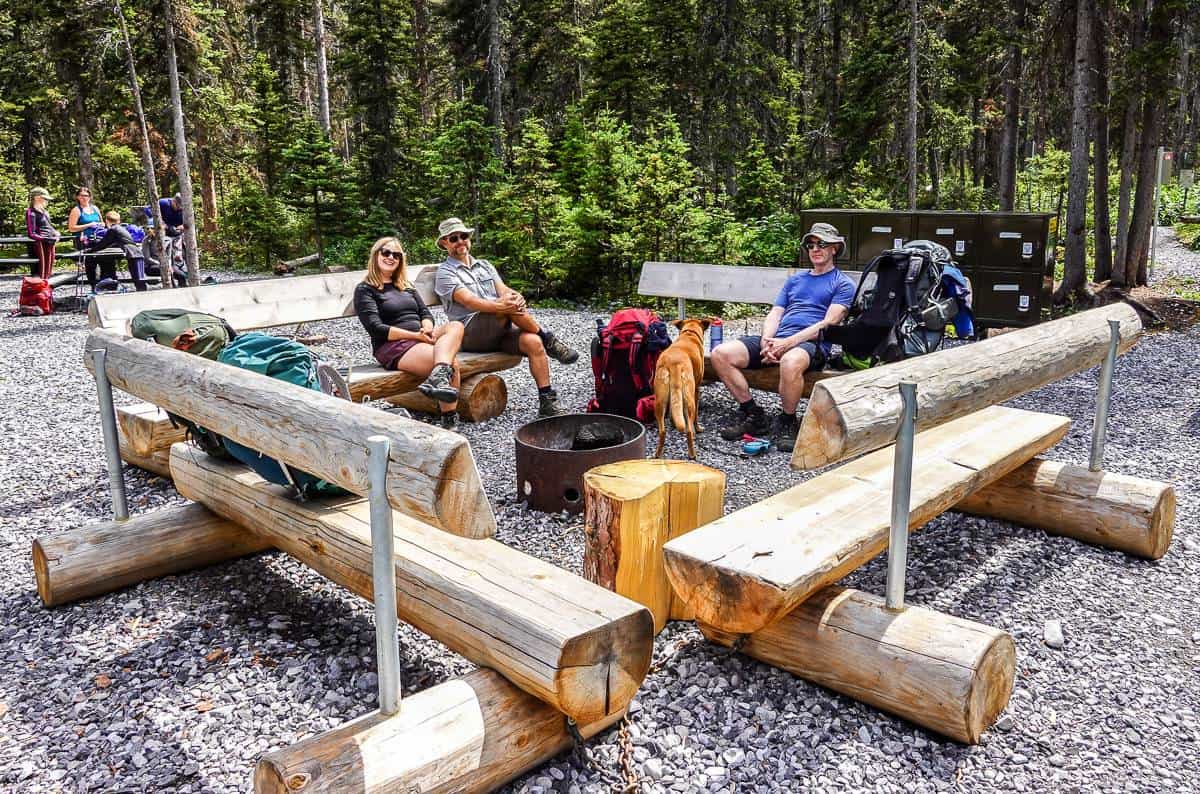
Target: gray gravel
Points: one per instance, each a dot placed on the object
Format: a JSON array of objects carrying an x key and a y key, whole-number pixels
[
  {"x": 179, "y": 684},
  {"x": 1174, "y": 260}
]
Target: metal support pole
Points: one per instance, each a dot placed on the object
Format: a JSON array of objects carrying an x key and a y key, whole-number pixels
[
  {"x": 901, "y": 494},
  {"x": 112, "y": 449},
  {"x": 383, "y": 575},
  {"x": 1104, "y": 396},
  {"x": 682, "y": 305},
  {"x": 1154, "y": 218}
]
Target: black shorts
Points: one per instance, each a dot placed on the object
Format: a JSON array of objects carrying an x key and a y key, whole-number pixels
[{"x": 754, "y": 348}]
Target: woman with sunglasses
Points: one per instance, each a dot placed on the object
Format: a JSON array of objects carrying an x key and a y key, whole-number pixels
[
  {"x": 402, "y": 330},
  {"x": 84, "y": 215}
]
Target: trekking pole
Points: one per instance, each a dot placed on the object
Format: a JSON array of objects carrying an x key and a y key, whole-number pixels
[
  {"x": 383, "y": 577},
  {"x": 901, "y": 495},
  {"x": 108, "y": 424},
  {"x": 1104, "y": 396}
]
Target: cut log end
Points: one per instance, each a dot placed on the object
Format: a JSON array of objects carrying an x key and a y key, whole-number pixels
[
  {"x": 822, "y": 433},
  {"x": 991, "y": 687},
  {"x": 41, "y": 574},
  {"x": 601, "y": 671},
  {"x": 480, "y": 398},
  {"x": 736, "y": 603},
  {"x": 461, "y": 502}
]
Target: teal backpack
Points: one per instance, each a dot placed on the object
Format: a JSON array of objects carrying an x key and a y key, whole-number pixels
[{"x": 289, "y": 361}]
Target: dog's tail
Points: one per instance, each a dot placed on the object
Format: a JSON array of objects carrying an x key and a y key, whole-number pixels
[{"x": 687, "y": 385}]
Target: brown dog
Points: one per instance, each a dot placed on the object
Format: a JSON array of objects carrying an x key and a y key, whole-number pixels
[{"x": 677, "y": 378}]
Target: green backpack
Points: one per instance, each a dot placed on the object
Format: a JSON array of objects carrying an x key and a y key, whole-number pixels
[{"x": 208, "y": 337}]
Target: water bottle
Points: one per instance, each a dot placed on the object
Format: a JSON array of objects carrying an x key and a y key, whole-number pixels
[
  {"x": 716, "y": 333},
  {"x": 600, "y": 327}
]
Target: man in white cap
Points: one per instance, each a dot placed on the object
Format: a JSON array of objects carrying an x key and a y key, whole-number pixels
[
  {"x": 495, "y": 315},
  {"x": 808, "y": 302}
]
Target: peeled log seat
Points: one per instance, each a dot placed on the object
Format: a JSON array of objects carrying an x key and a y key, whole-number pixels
[
  {"x": 431, "y": 473},
  {"x": 472, "y": 734},
  {"x": 949, "y": 675},
  {"x": 157, "y": 462},
  {"x": 377, "y": 383},
  {"x": 753, "y": 566},
  {"x": 1116, "y": 511},
  {"x": 859, "y": 412},
  {"x": 480, "y": 398},
  {"x": 146, "y": 428},
  {"x": 555, "y": 635},
  {"x": 767, "y": 378},
  {"x": 99, "y": 559}
]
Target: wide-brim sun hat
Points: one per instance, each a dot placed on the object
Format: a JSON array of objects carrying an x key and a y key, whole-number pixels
[
  {"x": 450, "y": 226},
  {"x": 826, "y": 232}
]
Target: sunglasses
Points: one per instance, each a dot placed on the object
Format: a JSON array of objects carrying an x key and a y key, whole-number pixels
[
  {"x": 821, "y": 244},
  {"x": 457, "y": 238},
  {"x": 390, "y": 254}
]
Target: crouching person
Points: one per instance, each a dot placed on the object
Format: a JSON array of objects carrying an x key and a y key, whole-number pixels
[
  {"x": 402, "y": 330},
  {"x": 808, "y": 302},
  {"x": 117, "y": 236}
]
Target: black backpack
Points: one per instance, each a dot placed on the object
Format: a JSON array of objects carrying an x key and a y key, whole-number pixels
[{"x": 900, "y": 309}]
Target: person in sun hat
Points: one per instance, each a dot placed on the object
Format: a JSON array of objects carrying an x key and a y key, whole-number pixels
[
  {"x": 42, "y": 232},
  {"x": 495, "y": 315},
  {"x": 809, "y": 301}
]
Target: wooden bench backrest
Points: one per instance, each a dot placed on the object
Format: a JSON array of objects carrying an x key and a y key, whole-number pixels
[
  {"x": 247, "y": 305},
  {"x": 716, "y": 282}
]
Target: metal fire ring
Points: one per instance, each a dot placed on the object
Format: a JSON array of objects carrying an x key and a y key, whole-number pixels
[{"x": 550, "y": 469}]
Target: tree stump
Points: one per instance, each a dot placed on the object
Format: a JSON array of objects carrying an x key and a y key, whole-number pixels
[
  {"x": 631, "y": 509},
  {"x": 480, "y": 398}
]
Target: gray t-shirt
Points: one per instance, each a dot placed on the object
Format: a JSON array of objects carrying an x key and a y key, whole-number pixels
[{"x": 479, "y": 277}]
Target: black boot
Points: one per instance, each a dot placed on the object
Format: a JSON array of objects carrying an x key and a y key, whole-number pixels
[
  {"x": 783, "y": 434},
  {"x": 751, "y": 422},
  {"x": 437, "y": 386},
  {"x": 557, "y": 350}
]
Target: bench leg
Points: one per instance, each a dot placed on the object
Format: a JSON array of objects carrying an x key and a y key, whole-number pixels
[{"x": 480, "y": 398}]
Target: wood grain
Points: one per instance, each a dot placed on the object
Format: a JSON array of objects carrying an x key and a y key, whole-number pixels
[
  {"x": 377, "y": 383},
  {"x": 577, "y": 646},
  {"x": 431, "y": 472},
  {"x": 146, "y": 428},
  {"x": 860, "y": 411},
  {"x": 101, "y": 558},
  {"x": 749, "y": 568},
  {"x": 949, "y": 675},
  {"x": 480, "y": 398},
  {"x": 1116, "y": 511}
]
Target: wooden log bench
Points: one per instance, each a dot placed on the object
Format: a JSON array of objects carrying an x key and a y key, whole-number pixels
[
  {"x": 751, "y": 567},
  {"x": 687, "y": 281},
  {"x": 253, "y": 305}
]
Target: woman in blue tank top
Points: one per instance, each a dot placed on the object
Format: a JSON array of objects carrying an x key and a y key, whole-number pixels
[{"x": 83, "y": 215}]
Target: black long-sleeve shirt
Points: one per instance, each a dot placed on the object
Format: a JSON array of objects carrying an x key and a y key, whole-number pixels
[
  {"x": 380, "y": 310},
  {"x": 117, "y": 237}
]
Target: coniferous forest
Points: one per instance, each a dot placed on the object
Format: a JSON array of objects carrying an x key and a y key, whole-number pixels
[{"x": 582, "y": 137}]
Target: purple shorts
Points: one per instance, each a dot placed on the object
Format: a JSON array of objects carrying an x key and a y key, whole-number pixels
[{"x": 390, "y": 353}]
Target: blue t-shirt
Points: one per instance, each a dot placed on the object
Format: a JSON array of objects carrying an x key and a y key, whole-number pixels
[
  {"x": 806, "y": 298},
  {"x": 170, "y": 215}
]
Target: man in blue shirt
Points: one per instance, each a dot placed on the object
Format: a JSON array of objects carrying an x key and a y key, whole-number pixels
[
  {"x": 808, "y": 302},
  {"x": 171, "y": 210}
]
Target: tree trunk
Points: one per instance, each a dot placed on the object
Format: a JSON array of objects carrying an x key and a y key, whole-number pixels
[
  {"x": 147, "y": 156},
  {"x": 1007, "y": 178},
  {"x": 181, "y": 158},
  {"x": 1100, "y": 109},
  {"x": 1184, "y": 82},
  {"x": 208, "y": 180},
  {"x": 495, "y": 70},
  {"x": 911, "y": 136},
  {"x": 976, "y": 144},
  {"x": 1143, "y": 219},
  {"x": 1075, "y": 260},
  {"x": 322, "y": 68},
  {"x": 87, "y": 175},
  {"x": 1129, "y": 144}
]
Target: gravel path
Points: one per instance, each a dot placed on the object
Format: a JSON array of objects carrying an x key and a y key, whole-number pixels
[
  {"x": 180, "y": 684},
  {"x": 1174, "y": 259}
]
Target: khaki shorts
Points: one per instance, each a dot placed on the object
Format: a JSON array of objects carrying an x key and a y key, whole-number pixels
[{"x": 491, "y": 333}]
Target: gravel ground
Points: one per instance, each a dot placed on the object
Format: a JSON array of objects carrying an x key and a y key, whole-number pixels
[
  {"x": 1174, "y": 258},
  {"x": 179, "y": 684}
]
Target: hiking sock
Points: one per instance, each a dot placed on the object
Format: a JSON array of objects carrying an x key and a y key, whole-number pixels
[{"x": 544, "y": 335}]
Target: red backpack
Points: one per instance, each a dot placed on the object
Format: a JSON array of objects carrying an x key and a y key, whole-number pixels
[
  {"x": 624, "y": 354},
  {"x": 37, "y": 296}
]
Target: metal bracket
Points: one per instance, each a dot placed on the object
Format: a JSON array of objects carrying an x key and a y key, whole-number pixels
[{"x": 108, "y": 424}]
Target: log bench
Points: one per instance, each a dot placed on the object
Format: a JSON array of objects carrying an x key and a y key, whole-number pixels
[
  {"x": 252, "y": 305},
  {"x": 687, "y": 281}
]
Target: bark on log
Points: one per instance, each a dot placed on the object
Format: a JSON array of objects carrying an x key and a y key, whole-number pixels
[
  {"x": 576, "y": 646},
  {"x": 146, "y": 428},
  {"x": 753, "y": 566},
  {"x": 480, "y": 398},
  {"x": 378, "y": 754},
  {"x": 378, "y": 383},
  {"x": 99, "y": 559},
  {"x": 631, "y": 509},
  {"x": 431, "y": 472},
  {"x": 859, "y": 412},
  {"x": 1116, "y": 511},
  {"x": 949, "y": 675}
]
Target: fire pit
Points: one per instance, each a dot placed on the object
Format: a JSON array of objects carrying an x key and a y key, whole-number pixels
[{"x": 553, "y": 454}]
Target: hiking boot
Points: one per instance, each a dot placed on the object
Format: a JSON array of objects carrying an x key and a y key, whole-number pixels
[
  {"x": 559, "y": 351},
  {"x": 753, "y": 422},
  {"x": 437, "y": 386},
  {"x": 783, "y": 433},
  {"x": 448, "y": 420},
  {"x": 548, "y": 405}
]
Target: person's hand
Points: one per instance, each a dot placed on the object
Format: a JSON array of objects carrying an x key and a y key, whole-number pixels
[{"x": 427, "y": 335}]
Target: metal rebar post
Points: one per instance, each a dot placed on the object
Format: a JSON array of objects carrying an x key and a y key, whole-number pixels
[
  {"x": 682, "y": 305},
  {"x": 901, "y": 493},
  {"x": 1154, "y": 219},
  {"x": 112, "y": 449},
  {"x": 1104, "y": 396},
  {"x": 383, "y": 576}
]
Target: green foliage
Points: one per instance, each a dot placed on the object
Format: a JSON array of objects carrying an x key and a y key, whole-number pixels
[
  {"x": 1189, "y": 235},
  {"x": 14, "y": 198},
  {"x": 319, "y": 184},
  {"x": 118, "y": 176},
  {"x": 257, "y": 228}
]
